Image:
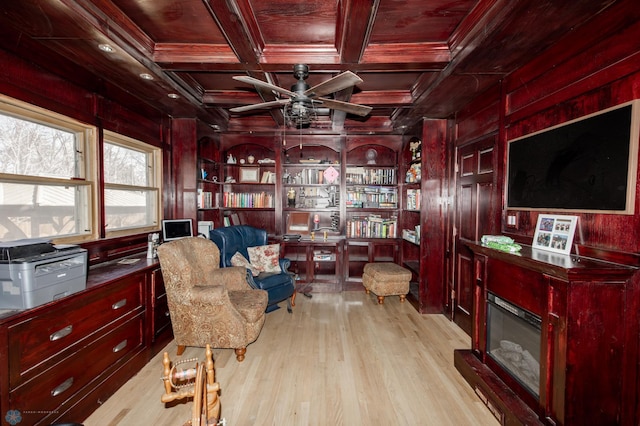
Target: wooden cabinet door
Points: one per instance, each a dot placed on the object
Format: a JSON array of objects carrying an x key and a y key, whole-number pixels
[{"x": 476, "y": 213}]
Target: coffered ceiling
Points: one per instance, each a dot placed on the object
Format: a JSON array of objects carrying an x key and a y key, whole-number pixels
[{"x": 416, "y": 57}]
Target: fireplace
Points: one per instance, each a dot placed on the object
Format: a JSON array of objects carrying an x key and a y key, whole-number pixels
[
  {"x": 539, "y": 329},
  {"x": 513, "y": 341}
]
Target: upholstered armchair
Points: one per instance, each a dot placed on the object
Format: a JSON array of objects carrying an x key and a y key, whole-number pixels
[
  {"x": 238, "y": 239},
  {"x": 209, "y": 304}
]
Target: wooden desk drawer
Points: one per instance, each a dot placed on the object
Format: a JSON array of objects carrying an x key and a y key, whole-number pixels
[
  {"x": 48, "y": 391},
  {"x": 34, "y": 341},
  {"x": 161, "y": 317},
  {"x": 158, "y": 284}
]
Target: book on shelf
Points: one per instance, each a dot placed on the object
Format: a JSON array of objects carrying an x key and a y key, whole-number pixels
[
  {"x": 372, "y": 197},
  {"x": 268, "y": 177},
  {"x": 252, "y": 200},
  {"x": 323, "y": 255},
  {"x": 413, "y": 199},
  {"x": 371, "y": 176},
  {"x": 372, "y": 226},
  {"x": 204, "y": 199}
]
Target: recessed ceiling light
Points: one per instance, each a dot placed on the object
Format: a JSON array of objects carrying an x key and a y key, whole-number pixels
[
  {"x": 146, "y": 76},
  {"x": 173, "y": 96},
  {"x": 106, "y": 48}
]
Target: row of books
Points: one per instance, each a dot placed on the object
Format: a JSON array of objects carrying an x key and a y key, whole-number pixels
[
  {"x": 413, "y": 199},
  {"x": 372, "y": 226},
  {"x": 204, "y": 199},
  {"x": 250, "y": 200},
  {"x": 268, "y": 177},
  {"x": 372, "y": 197},
  {"x": 366, "y": 176},
  {"x": 309, "y": 177}
]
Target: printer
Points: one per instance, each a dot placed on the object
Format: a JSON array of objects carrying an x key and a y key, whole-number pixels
[{"x": 34, "y": 272}]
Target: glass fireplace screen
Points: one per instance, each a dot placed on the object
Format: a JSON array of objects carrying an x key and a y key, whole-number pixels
[{"x": 513, "y": 341}]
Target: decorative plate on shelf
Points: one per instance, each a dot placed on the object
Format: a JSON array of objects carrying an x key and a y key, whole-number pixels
[
  {"x": 330, "y": 174},
  {"x": 310, "y": 161}
]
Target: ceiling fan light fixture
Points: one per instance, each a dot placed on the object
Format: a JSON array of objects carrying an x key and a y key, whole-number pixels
[
  {"x": 299, "y": 106},
  {"x": 299, "y": 115}
]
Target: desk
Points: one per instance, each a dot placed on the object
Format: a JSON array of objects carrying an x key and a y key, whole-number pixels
[
  {"x": 66, "y": 356},
  {"x": 317, "y": 264}
]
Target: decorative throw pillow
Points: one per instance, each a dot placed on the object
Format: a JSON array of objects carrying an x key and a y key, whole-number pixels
[
  {"x": 239, "y": 260},
  {"x": 265, "y": 258}
]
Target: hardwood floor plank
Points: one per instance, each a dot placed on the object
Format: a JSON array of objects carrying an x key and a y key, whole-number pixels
[{"x": 339, "y": 359}]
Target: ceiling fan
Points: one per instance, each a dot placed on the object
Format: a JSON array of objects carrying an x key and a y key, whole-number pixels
[{"x": 302, "y": 101}]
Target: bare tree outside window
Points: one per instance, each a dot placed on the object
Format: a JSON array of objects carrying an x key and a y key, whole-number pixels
[
  {"x": 49, "y": 183},
  {"x": 130, "y": 195},
  {"x": 125, "y": 166},
  {"x": 46, "y": 206},
  {"x": 32, "y": 149}
]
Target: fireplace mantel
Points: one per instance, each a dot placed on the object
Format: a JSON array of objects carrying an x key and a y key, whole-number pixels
[{"x": 589, "y": 342}]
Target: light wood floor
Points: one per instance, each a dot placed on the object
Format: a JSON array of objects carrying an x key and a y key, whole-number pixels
[{"x": 339, "y": 359}]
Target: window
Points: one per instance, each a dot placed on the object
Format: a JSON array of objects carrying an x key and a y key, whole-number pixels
[
  {"x": 132, "y": 184},
  {"x": 46, "y": 184},
  {"x": 49, "y": 178}
]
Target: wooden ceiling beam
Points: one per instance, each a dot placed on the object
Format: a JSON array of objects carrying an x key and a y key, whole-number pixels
[
  {"x": 171, "y": 53},
  {"x": 353, "y": 28},
  {"x": 383, "y": 98},
  {"x": 434, "y": 56},
  {"x": 238, "y": 25},
  {"x": 229, "y": 98}
]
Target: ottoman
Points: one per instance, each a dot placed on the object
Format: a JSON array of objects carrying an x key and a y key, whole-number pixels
[{"x": 386, "y": 279}]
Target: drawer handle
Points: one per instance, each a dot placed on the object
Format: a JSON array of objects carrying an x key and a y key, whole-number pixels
[
  {"x": 62, "y": 387},
  {"x": 119, "y": 304},
  {"x": 61, "y": 333},
  {"x": 120, "y": 346}
]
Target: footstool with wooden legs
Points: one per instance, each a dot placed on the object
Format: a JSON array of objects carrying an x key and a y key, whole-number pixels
[{"x": 386, "y": 279}]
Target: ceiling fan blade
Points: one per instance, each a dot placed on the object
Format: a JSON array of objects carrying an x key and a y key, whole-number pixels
[
  {"x": 263, "y": 84},
  {"x": 356, "y": 109},
  {"x": 263, "y": 105},
  {"x": 335, "y": 84}
]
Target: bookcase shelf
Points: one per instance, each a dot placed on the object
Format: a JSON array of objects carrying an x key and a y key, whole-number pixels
[{"x": 313, "y": 181}]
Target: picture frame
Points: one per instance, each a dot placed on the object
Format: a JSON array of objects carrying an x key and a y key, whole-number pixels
[
  {"x": 249, "y": 175},
  {"x": 555, "y": 233},
  {"x": 298, "y": 223}
]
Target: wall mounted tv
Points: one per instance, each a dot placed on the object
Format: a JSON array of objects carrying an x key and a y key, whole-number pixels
[{"x": 584, "y": 165}]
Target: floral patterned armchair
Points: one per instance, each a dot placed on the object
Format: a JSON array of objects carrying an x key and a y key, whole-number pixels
[{"x": 209, "y": 304}]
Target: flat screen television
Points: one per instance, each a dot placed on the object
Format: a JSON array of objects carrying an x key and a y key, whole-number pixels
[
  {"x": 174, "y": 229},
  {"x": 584, "y": 165}
]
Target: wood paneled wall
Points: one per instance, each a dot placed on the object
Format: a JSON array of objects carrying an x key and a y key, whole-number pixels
[
  {"x": 25, "y": 82},
  {"x": 585, "y": 73}
]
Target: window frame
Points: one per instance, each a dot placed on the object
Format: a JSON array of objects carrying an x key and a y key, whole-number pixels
[
  {"x": 89, "y": 168},
  {"x": 86, "y": 142},
  {"x": 155, "y": 177}
]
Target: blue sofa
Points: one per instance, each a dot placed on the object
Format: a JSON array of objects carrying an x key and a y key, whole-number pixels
[{"x": 232, "y": 239}]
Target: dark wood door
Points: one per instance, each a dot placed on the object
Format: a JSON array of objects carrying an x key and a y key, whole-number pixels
[{"x": 476, "y": 213}]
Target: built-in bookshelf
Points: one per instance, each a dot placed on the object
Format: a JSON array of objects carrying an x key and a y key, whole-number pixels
[
  {"x": 248, "y": 184},
  {"x": 371, "y": 176},
  {"x": 248, "y": 200},
  {"x": 312, "y": 179},
  {"x": 372, "y": 226},
  {"x": 413, "y": 199},
  {"x": 336, "y": 193},
  {"x": 208, "y": 187}
]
